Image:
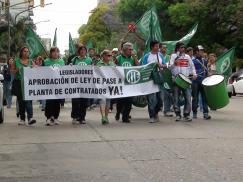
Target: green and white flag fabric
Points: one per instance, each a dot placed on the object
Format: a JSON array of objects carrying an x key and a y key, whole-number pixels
[
  {"x": 89, "y": 44},
  {"x": 54, "y": 43},
  {"x": 224, "y": 63},
  {"x": 186, "y": 39},
  {"x": 149, "y": 26},
  {"x": 34, "y": 44},
  {"x": 72, "y": 49}
]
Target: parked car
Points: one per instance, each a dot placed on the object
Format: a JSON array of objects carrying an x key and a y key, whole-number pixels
[
  {"x": 1, "y": 99},
  {"x": 235, "y": 85}
]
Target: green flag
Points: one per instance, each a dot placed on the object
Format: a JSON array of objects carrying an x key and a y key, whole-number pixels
[
  {"x": 34, "y": 44},
  {"x": 224, "y": 63},
  {"x": 54, "y": 43},
  {"x": 149, "y": 26},
  {"x": 135, "y": 47},
  {"x": 186, "y": 39},
  {"x": 89, "y": 44},
  {"x": 72, "y": 49}
]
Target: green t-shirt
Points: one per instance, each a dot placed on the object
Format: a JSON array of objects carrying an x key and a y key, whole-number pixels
[
  {"x": 101, "y": 63},
  {"x": 167, "y": 58},
  {"x": 125, "y": 61},
  {"x": 82, "y": 62},
  {"x": 19, "y": 65},
  {"x": 54, "y": 62}
]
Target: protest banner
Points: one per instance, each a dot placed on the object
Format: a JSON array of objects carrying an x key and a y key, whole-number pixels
[{"x": 59, "y": 82}]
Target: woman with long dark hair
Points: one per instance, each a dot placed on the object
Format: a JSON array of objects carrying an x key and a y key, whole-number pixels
[
  {"x": 79, "y": 105},
  {"x": 52, "y": 109},
  {"x": 17, "y": 67}
]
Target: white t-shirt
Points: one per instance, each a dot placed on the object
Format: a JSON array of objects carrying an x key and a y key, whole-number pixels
[{"x": 152, "y": 58}]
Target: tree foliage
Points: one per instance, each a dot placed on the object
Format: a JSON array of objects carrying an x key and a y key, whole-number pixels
[
  {"x": 220, "y": 21},
  {"x": 96, "y": 30},
  {"x": 16, "y": 36}
]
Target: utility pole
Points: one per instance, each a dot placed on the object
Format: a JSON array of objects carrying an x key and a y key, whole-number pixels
[{"x": 9, "y": 33}]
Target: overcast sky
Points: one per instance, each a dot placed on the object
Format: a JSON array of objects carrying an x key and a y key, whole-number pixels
[{"x": 66, "y": 15}]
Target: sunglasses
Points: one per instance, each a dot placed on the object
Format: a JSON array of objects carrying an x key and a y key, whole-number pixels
[{"x": 108, "y": 55}]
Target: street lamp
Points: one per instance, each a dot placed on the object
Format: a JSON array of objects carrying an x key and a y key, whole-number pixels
[
  {"x": 15, "y": 19},
  {"x": 8, "y": 13},
  {"x": 43, "y": 21}
]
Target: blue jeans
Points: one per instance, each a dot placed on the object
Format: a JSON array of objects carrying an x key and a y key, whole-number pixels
[
  {"x": 154, "y": 104},
  {"x": 167, "y": 98},
  {"x": 186, "y": 93},
  {"x": 7, "y": 92},
  {"x": 196, "y": 89}
]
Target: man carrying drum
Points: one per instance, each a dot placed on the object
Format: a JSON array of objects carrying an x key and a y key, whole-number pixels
[
  {"x": 201, "y": 66},
  {"x": 181, "y": 64}
]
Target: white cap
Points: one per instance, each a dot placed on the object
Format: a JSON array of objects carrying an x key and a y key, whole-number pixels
[
  {"x": 115, "y": 49},
  {"x": 200, "y": 47}
]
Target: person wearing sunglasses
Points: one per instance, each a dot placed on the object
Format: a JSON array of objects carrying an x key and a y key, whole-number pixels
[
  {"x": 106, "y": 60},
  {"x": 181, "y": 63}
]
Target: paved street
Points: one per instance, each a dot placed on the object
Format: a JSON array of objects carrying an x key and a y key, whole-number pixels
[{"x": 201, "y": 151}]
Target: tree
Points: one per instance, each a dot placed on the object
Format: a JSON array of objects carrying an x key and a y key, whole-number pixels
[
  {"x": 96, "y": 30},
  {"x": 17, "y": 37},
  {"x": 220, "y": 22}
]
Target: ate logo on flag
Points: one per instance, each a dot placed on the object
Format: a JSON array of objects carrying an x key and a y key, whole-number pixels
[
  {"x": 225, "y": 65},
  {"x": 82, "y": 64},
  {"x": 133, "y": 76}
]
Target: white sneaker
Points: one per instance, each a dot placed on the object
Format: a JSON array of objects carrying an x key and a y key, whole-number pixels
[
  {"x": 56, "y": 122},
  {"x": 21, "y": 123},
  {"x": 156, "y": 118},
  {"x": 31, "y": 122},
  {"x": 75, "y": 121},
  {"x": 49, "y": 122},
  {"x": 153, "y": 120}
]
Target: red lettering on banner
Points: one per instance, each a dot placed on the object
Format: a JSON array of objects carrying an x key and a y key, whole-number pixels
[{"x": 182, "y": 63}]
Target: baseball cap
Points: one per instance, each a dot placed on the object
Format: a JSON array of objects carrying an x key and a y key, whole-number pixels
[
  {"x": 115, "y": 50},
  {"x": 199, "y": 47}
]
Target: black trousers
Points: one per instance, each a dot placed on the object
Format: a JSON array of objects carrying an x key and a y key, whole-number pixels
[
  {"x": 196, "y": 89},
  {"x": 52, "y": 108},
  {"x": 124, "y": 106},
  {"x": 79, "y": 106}
]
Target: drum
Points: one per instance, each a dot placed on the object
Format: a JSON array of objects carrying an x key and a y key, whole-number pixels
[
  {"x": 182, "y": 81},
  {"x": 215, "y": 91},
  {"x": 167, "y": 75}
]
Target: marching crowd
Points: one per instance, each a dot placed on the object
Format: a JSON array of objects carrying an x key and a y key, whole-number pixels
[{"x": 193, "y": 64}]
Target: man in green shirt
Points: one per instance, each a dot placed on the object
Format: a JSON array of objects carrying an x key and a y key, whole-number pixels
[
  {"x": 163, "y": 51},
  {"x": 127, "y": 59},
  {"x": 166, "y": 93}
]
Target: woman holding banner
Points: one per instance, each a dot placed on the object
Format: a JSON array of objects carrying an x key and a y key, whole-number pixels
[
  {"x": 52, "y": 109},
  {"x": 105, "y": 103},
  {"x": 16, "y": 68},
  {"x": 79, "y": 105}
]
